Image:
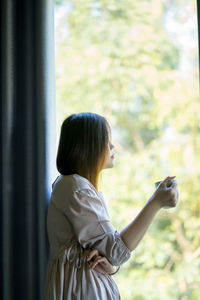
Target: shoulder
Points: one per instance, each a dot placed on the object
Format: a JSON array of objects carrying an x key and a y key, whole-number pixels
[{"x": 73, "y": 183}]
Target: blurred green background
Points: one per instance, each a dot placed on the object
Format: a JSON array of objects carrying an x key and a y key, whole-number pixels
[{"x": 136, "y": 63}]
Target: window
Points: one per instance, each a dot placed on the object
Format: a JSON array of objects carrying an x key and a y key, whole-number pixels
[{"x": 136, "y": 63}]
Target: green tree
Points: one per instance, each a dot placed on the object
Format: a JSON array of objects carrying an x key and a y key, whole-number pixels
[{"x": 117, "y": 58}]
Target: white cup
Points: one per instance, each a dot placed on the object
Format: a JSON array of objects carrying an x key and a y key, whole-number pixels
[{"x": 169, "y": 183}]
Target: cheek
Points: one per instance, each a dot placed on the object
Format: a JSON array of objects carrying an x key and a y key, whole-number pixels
[{"x": 106, "y": 158}]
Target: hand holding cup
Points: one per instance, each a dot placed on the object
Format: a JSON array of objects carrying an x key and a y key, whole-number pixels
[{"x": 166, "y": 193}]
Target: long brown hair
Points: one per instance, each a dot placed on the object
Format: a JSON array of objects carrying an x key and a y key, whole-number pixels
[{"x": 82, "y": 146}]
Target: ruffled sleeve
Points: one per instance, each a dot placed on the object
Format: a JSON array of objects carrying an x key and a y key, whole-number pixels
[{"x": 92, "y": 226}]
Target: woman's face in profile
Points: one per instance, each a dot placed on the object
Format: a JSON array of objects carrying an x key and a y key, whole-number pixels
[{"x": 109, "y": 156}]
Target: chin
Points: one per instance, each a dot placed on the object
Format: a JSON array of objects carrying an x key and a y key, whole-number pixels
[{"x": 111, "y": 165}]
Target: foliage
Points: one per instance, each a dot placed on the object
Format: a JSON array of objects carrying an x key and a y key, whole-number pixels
[{"x": 117, "y": 58}]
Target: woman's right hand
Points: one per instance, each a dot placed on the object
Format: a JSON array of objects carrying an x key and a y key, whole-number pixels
[{"x": 166, "y": 197}]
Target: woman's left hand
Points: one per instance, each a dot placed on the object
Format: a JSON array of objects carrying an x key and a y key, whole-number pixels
[{"x": 97, "y": 262}]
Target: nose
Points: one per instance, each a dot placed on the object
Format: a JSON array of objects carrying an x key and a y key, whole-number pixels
[{"x": 111, "y": 146}]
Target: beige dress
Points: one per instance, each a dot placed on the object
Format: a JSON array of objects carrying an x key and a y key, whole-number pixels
[{"x": 77, "y": 220}]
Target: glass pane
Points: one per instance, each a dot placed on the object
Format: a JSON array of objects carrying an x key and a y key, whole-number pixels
[{"x": 136, "y": 63}]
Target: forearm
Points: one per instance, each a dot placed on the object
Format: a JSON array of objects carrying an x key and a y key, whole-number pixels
[{"x": 134, "y": 232}]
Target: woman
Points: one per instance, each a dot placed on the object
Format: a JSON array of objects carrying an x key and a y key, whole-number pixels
[{"x": 84, "y": 246}]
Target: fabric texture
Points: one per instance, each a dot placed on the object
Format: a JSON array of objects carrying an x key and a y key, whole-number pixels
[
  {"x": 78, "y": 220},
  {"x": 27, "y": 144}
]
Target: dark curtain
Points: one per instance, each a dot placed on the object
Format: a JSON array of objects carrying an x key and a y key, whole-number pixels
[
  {"x": 27, "y": 144},
  {"x": 198, "y": 18}
]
